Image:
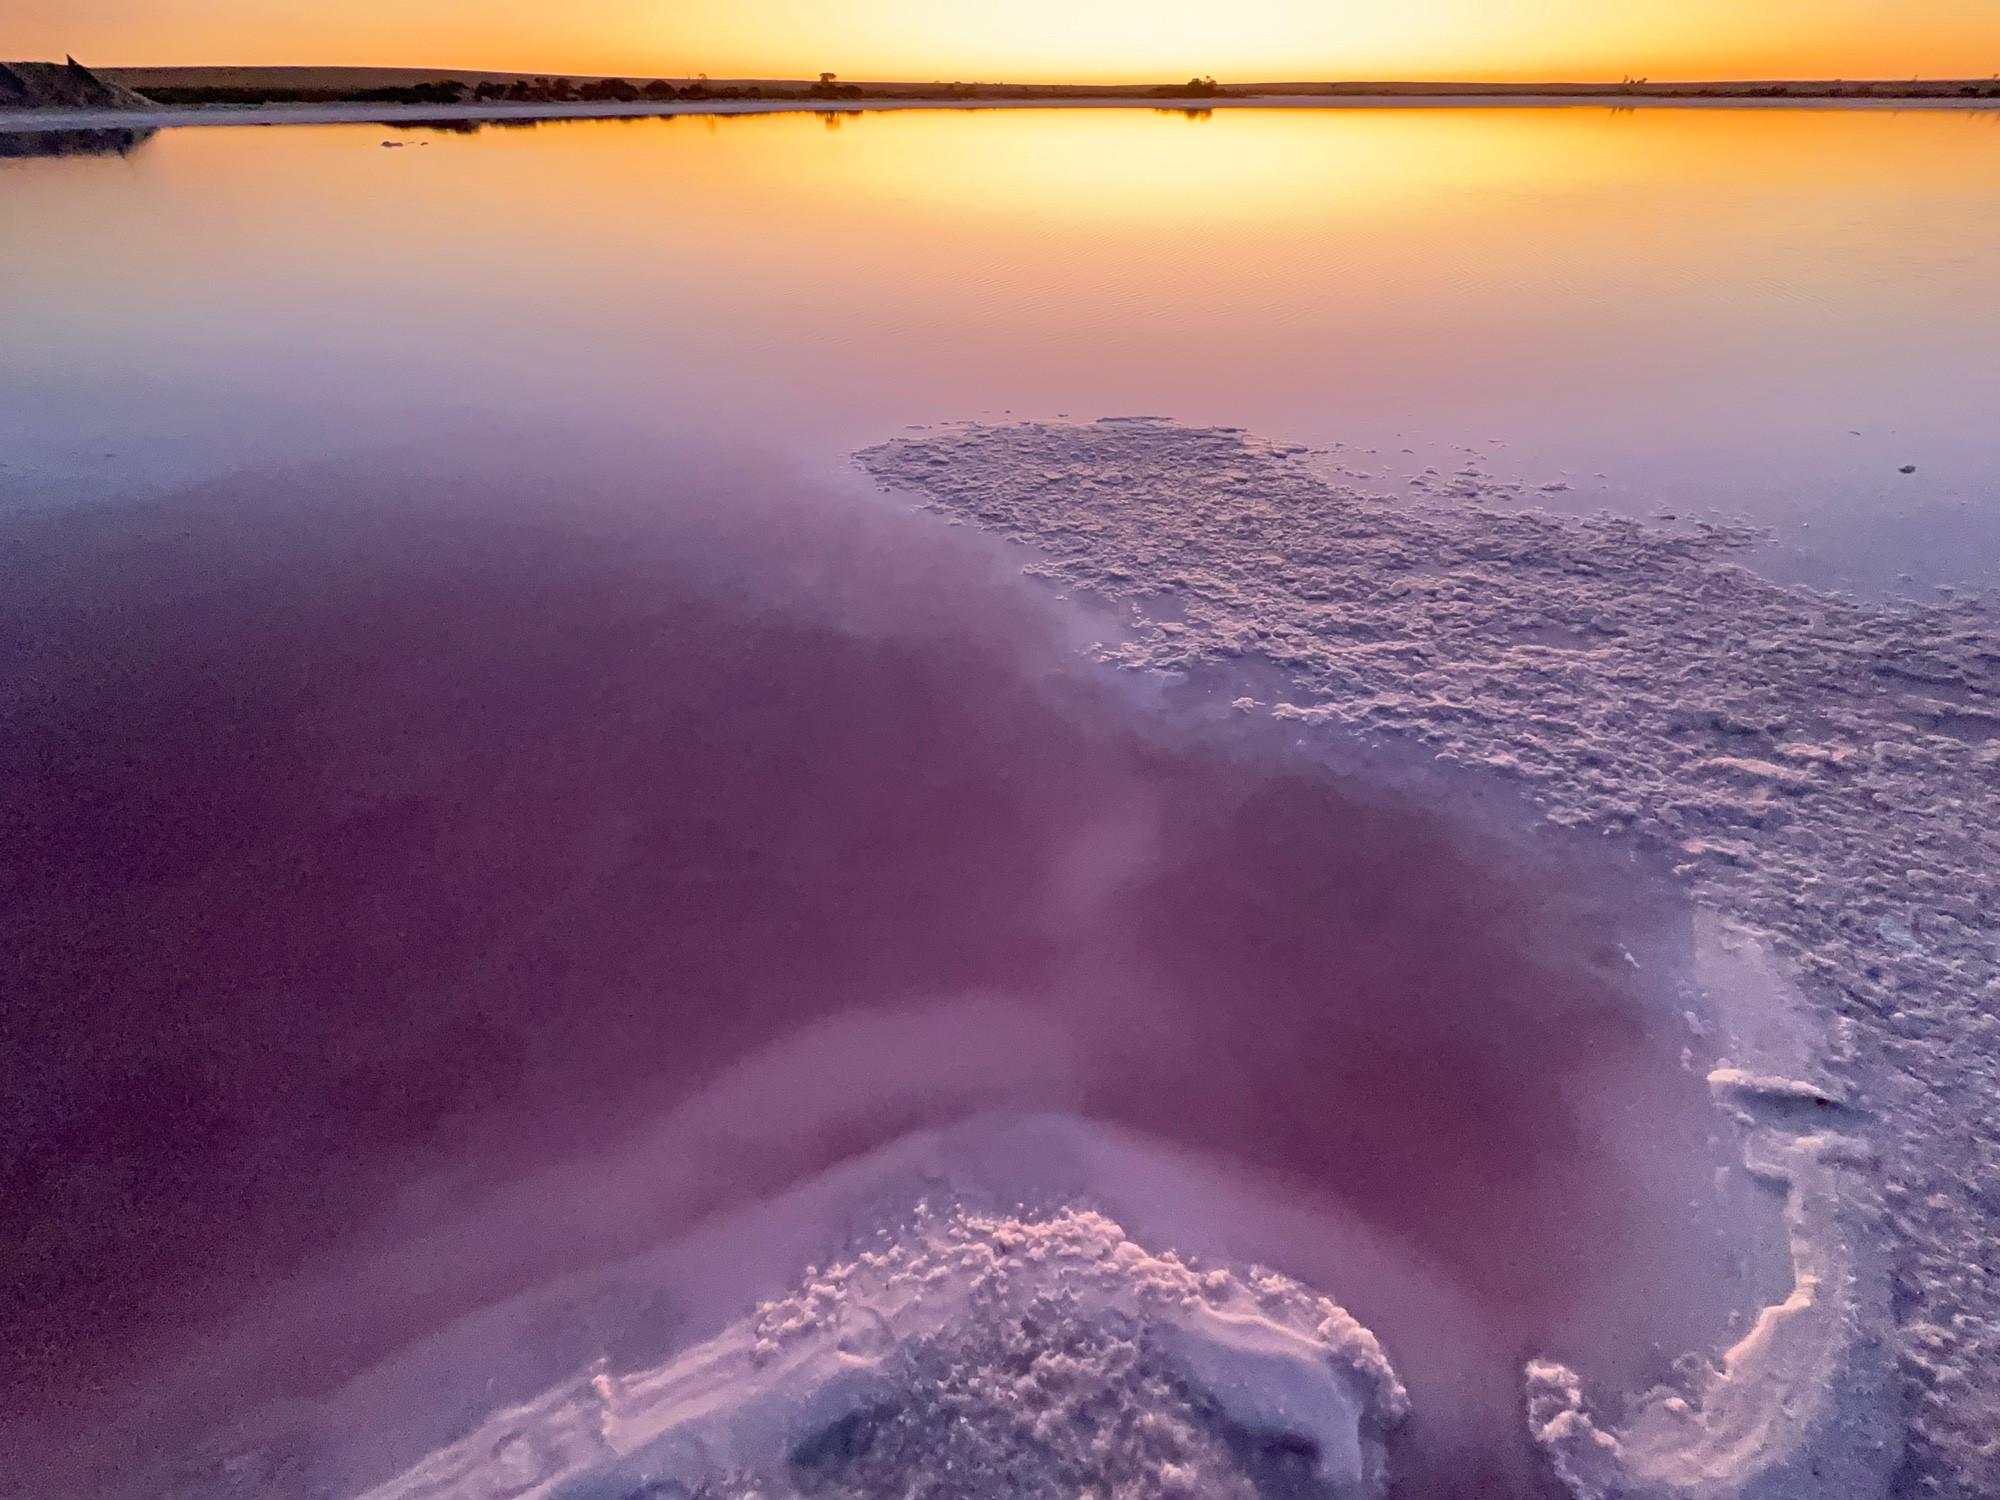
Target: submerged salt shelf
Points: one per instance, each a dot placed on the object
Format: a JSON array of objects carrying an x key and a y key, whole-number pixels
[{"x": 1821, "y": 776}]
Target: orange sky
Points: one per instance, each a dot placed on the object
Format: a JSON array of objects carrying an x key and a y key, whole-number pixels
[{"x": 1042, "y": 39}]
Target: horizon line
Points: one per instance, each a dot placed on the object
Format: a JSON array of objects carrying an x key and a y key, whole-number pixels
[{"x": 1473, "y": 83}]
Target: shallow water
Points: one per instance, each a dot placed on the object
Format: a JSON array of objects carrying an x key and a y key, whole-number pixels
[
  {"x": 1763, "y": 312},
  {"x": 434, "y": 877},
  {"x": 445, "y": 861}
]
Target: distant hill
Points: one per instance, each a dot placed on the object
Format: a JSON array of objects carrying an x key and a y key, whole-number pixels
[{"x": 63, "y": 85}]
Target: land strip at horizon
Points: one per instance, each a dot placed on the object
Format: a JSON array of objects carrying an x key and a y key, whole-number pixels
[{"x": 391, "y": 96}]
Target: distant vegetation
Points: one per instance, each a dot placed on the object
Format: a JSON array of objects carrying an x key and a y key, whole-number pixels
[
  {"x": 541, "y": 89},
  {"x": 1194, "y": 88},
  {"x": 445, "y": 91}
]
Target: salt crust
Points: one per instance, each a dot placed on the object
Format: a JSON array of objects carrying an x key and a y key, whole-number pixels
[
  {"x": 1821, "y": 773},
  {"x": 1795, "y": 1408},
  {"x": 987, "y": 1337}
]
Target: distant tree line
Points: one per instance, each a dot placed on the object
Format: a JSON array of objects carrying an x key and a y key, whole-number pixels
[
  {"x": 546, "y": 90},
  {"x": 570, "y": 91},
  {"x": 443, "y": 91},
  {"x": 542, "y": 89},
  {"x": 1194, "y": 88}
]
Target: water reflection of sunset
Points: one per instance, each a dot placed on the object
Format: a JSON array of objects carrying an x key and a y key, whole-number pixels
[
  {"x": 1300, "y": 165},
  {"x": 1594, "y": 285}
]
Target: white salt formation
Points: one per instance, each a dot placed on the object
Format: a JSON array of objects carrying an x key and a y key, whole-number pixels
[
  {"x": 977, "y": 1355},
  {"x": 1823, "y": 775},
  {"x": 1797, "y": 1407}
]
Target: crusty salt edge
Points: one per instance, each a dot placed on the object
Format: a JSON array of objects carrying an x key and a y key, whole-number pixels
[
  {"x": 1273, "y": 1357},
  {"x": 1799, "y": 1406},
  {"x": 1558, "y": 650},
  {"x": 1795, "y": 1408}
]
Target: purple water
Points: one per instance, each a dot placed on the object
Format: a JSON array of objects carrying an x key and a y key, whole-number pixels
[{"x": 382, "y": 836}]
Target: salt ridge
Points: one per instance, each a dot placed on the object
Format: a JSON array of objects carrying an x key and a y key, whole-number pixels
[{"x": 994, "y": 1335}]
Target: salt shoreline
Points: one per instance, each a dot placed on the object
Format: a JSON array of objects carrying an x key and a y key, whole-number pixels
[
  {"x": 409, "y": 114},
  {"x": 1820, "y": 774}
]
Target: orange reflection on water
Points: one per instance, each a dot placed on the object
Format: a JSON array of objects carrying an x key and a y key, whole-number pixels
[
  {"x": 1594, "y": 285},
  {"x": 1253, "y": 167}
]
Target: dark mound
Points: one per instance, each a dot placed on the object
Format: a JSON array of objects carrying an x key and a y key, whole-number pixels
[{"x": 63, "y": 85}]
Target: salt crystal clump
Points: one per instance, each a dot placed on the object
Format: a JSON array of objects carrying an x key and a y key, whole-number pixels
[{"x": 1049, "y": 1355}]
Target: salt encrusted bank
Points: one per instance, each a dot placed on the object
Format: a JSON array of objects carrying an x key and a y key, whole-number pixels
[
  {"x": 1821, "y": 773},
  {"x": 1045, "y": 1356}
]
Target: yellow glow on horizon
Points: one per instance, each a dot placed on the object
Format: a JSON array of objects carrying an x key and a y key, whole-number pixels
[
  {"x": 1244, "y": 174},
  {"x": 1051, "y": 40}
]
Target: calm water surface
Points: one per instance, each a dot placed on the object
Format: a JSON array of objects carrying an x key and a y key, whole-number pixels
[
  {"x": 1763, "y": 312},
  {"x": 396, "y": 840}
]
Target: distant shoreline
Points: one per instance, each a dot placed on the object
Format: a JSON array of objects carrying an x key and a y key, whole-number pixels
[
  {"x": 71, "y": 97},
  {"x": 329, "y": 82},
  {"x": 343, "y": 113}
]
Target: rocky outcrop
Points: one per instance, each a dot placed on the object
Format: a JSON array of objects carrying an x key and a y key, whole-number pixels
[{"x": 64, "y": 85}]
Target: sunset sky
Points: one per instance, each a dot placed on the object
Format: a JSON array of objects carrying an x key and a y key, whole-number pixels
[{"x": 1042, "y": 39}]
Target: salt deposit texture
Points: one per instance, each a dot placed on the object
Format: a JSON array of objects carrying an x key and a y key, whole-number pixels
[
  {"x": 1820, "y": 774},
  {"x": 978, "y": 1355}
]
